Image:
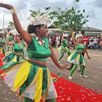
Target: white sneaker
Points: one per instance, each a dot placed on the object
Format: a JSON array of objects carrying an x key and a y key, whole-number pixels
[
  {"x": 84, "y": 76},
  {"x": 69, "y": 77}
]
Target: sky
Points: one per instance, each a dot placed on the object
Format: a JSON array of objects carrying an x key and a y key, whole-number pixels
[{"x": 93, "y": 9}]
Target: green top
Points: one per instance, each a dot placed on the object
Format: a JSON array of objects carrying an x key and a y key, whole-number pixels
[
  {"x": 10, "y": 37},
  {"x": 17, "y": 47},
  {"x": 1, "y": 42},
  {"x": 65, "y": 43},
  {"x": 80, "y": 47},
  {"x": 37, "y": 51},
  {"x": 22, "y": 43}
]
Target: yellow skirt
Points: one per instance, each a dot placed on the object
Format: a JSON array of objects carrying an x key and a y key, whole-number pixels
[{"x": 30, "y": 80}]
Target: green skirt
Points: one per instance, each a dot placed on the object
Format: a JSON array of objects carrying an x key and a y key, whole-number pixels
[{"x": 29, "y": 79}]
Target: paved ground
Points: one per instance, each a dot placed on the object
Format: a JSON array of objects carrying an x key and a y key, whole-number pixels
[
  {"x": 93, "y": 70},
  {"x": 6, "y": 95}
]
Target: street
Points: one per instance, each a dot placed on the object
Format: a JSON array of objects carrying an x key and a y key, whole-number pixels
[{"x": 93, "y": 70}]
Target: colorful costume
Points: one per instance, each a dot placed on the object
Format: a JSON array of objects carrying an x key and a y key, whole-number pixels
[
  {"x": 64, "y": 49},
  {"x": 2, "y": 46},
  {"x": 10, "y": 38},
  {"x": 16, "y": 55},
  {"x": 1, "y": 63},
  {"x": 2, "y": 52},
  {"x": 10, "y": 42},
  {"x": 26, "y": 79},
  {"x": 77, "y": 59},
  {"x": 29, "y": 79}
]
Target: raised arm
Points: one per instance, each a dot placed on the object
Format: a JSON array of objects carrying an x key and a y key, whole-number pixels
[
  {"x": 73, "y": 39},
  {"x": 25, "y": 36}
]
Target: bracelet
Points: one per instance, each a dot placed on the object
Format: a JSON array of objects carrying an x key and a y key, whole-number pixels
[{"x": 12, "y": 11}]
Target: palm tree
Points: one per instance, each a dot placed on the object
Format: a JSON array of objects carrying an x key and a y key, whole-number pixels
[
  {"x": 11, "y": 26},
  {"x": 36, "y": 13}
]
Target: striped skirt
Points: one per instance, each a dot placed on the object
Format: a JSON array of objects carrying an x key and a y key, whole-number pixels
[{"x": 29, "y": 79}]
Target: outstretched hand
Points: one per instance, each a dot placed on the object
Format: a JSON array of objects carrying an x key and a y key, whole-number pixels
[
  {"x": 89, "y": 57},
  {"x": 7, "y": 6},
  {"x": 64, "y": 66}
]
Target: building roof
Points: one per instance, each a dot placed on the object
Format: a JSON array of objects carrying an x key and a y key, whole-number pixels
[{"x": 91, "y": 29}]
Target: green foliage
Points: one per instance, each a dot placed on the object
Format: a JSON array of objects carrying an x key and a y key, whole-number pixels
[
  {"x": 35, "y": 13},
  {"x": 65, "y": 19},
  {"x": 69, "y": 18}
]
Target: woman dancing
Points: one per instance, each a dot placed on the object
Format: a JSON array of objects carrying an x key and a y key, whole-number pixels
[
  {"x": 64, "y": 47},
  {"x": 32, "y": 78},
  {"x": 76, "y": 58}
]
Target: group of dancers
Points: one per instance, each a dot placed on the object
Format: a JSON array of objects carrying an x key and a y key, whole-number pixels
[
  {"x": 25, "y": 70},
  {"x": 76, "y": 57}
]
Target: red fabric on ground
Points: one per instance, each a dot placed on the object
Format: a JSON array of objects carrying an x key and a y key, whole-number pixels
[
  {"x": 70, "y": 92},
  {"x": 1, "y": 64}
]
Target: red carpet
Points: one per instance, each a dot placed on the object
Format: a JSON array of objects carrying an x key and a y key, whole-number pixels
[
  {"x": 71, "y": 92},
  {"x": 1, "y": 64}
]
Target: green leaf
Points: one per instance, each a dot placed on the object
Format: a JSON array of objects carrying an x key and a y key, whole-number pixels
[{"x": 76, "y": 0}]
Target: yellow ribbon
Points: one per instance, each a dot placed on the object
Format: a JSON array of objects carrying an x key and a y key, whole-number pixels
[
  {"x": 39, "y": 81},
  {"x": 22, "y": 75},
  {"x": 14, "y": 59},
  {"x": 1, "y": 50},
  {"x": 77, "y": 58},
  {"x": 69, "y": 57}
]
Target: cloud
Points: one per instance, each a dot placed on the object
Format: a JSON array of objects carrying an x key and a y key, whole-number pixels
[
  {"x": 39, "y": 4},
  {"x": 53, "y": 4},
  {"x": 62, "y": 4},
  {"x": 92, "y": 7},
  {"x": 93, "y": 3},
  {"x": 98, "y": 3},
  {"x": 20, "y": 5},
  {"x": 91, "y": 13}
]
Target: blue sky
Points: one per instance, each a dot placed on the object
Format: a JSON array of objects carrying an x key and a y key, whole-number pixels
[{"x": 92, "y": 7}]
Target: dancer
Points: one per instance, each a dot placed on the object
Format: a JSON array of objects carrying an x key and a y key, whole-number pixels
[
  {"x": 2, "y": 43},
  {"x": 10, "y": 41},
  {"x": 64, "y": 47},
  {"x": 18, "y": 51},
  {"x": 76, "y": 57},
  {"x": 32, "y": 78},
  {"x": 2, "y": 51}
]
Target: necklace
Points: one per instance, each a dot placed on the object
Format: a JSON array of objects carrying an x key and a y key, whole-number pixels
[{"x": 40, "y": 42}]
